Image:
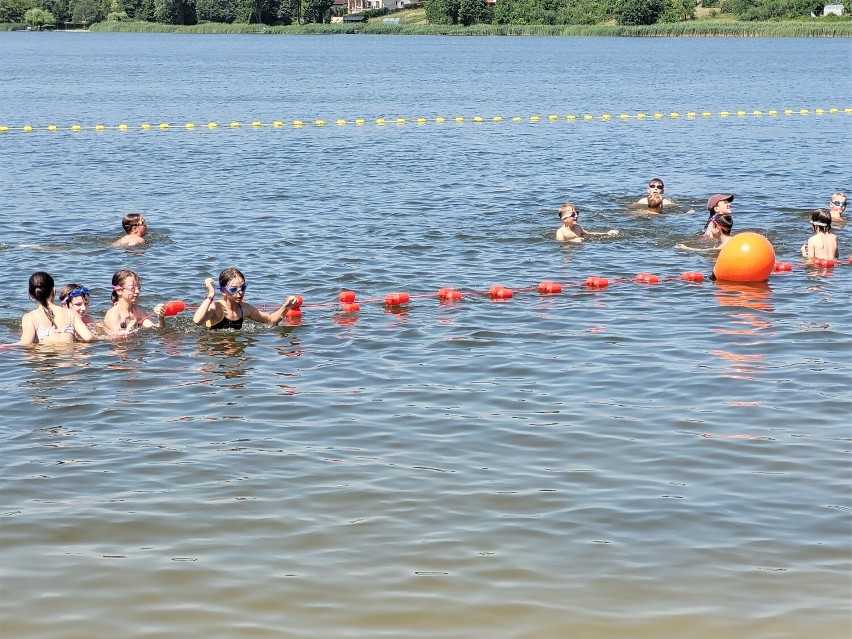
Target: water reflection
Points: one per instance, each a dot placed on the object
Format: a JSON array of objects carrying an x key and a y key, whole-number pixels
[
  {"x": 225, "y": 354},
  {"x": 746, "y": 324},
  {"x": 55, "y": 367}
]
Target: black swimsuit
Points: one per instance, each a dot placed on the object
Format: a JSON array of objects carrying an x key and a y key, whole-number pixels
[{"x": 229, "y": 323}]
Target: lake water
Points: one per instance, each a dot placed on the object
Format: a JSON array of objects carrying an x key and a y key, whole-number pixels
[{"x": 643, "y": 461}]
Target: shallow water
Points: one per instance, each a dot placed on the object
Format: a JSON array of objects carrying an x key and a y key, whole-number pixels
[{"x": 664, "y": 460}]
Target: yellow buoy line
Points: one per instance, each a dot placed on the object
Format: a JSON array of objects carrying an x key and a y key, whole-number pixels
[{"x": 280, "y": 124}]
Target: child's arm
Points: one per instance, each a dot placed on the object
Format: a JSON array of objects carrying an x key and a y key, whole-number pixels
[
  {"x": 205, "y": 310},
  {"x": 81, "y": 329},
  {"x": 266, "y": 318},
  {"x": 684, "y": 247},
  {"x": 28, "y": 331},
  {"x": 159, "y": 311}
]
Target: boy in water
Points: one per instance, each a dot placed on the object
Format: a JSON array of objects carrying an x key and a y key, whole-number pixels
[
  {"x": 823, "y": 243},
  {"x": 135, "y": 229},
  {"x": 837, "y": 206},
  {"x": 655, "y": 187},
  {"x": 571, "y": 231}
]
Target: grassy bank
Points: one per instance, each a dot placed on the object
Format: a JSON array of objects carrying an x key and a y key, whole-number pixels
[{"x": 697, "y": 28}]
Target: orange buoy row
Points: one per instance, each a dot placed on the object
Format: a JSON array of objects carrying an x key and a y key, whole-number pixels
[
  {"x": 692, "y": 276},
  {"x": 597, "y": 282},
  {"x": 829, "y": 263},
  {"x": 549, "y": 288},
  {"x": 449, "y": 294},
  {"x": 348, "y": 303},
  {"x": 396, "y": 299},
  {"x": 648, "y": 278},
  {"x": 295, "y": 310},
  {"x": 500, "y": 293},
  {"x": 780, "y": 267}
]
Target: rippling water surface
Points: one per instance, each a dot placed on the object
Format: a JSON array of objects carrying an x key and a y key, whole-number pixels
[{"x": 651, "y": 461}]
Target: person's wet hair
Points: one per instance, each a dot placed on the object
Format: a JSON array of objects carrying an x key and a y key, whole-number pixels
[
  {"x": 42, "y": 288},
  {"x": 65, "y": 293},
  {"x": 724, "y": 221},
  {"x": 821, "y": 221},
  {"x": 118, "y": 281},
  {"x": 229, "y": 274},
  {"x": 131, "y": 220}
]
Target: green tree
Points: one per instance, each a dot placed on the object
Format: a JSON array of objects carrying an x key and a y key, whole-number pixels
[
  {"x": 61, "y": 9},
  {"x": 473, "y": 12},
  {"x": 87, "y": 12},
  {"x": 636, "y": 12},
  {"x": 14, "y": 10},
  {"x": 678, "y": 11},
  {"x": 38, "y": 17},
  {"x": 174, "y": 12},
  {"x": 442, "y": 11},
  {"x": 216, "y": 10},
  {"x": 317, "y": 10}
]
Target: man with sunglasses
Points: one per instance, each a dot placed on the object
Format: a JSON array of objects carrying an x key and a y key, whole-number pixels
[
  {"x": 655, "y": 187},
  {"x": 135, "y": 228}
]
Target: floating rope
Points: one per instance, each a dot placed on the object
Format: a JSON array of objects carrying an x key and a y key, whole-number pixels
[{"x": 399, "y": 121}]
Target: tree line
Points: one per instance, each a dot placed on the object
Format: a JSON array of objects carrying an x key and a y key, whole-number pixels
[
  {"x": 625, "y": 12},
  {"x": 462, "y": 12}
]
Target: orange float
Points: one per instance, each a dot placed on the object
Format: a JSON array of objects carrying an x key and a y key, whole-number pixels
[{"x": 746, "y": 257}]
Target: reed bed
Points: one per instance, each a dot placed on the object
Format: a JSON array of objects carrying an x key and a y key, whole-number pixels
[{"x": 679, "y": 29}]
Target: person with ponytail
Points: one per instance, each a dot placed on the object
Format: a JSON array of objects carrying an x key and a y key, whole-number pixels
[
  {"x": 49, "y": 323},
  {"x": 126, "y": 315}
]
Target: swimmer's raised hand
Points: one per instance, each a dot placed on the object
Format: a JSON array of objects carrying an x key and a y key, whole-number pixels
[
  {"x": 211, "y": 290},
  {"x": 160, "y": 310}
]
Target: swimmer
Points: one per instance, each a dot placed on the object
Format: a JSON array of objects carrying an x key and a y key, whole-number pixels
[
  {"x": 655, "y": 205},
  {"x": 231, "y": 310},
  {"x": 76, "y": 298},
  {"x": 719, "y": 204},
  {"x": 125, "y": 315},
  {"x": 49, "y": 323},
  {"x": 135, "y": 228},
  {"x": 718, "y": 230},
  {"x": 571, "y": 231},
  {"x": 823, "y": 243},
  {"x": 655, "y": 187},
  {"x": 837, "y": 206}
]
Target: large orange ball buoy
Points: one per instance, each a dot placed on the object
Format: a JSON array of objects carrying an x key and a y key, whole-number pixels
[{"x": 746, "y": 257}]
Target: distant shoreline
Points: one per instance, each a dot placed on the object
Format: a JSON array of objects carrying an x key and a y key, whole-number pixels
[{"x": 679, "y": 29}]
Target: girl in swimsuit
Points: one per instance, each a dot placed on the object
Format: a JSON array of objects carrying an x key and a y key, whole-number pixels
[
  {"x": 49, "y": 323},
  {"x": 126, "y": 315},
  {"x": 231, "y": 310},
  {"x": 76, "y": 298}
]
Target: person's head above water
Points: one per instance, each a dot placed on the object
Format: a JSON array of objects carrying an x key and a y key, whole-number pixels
[
  {"x": 720, "y": 203},
  {"x": 568, "y": 213},
  {"x": 656, "y": 187},
  {"x": 133, "y": 221},
  {"x": 821, "y": 221},
  {"x": 655, "y": 202}
]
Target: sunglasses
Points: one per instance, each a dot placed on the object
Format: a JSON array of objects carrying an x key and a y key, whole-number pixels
[
  {"x": 233, "y": 290},
  {"x": 141, "y": 222},
  {"x": 655, "y": 186},
  {"x": 570, "y": 216},
  {"x": 838, "y": 203},
  {"x": 77, "y": 292}
]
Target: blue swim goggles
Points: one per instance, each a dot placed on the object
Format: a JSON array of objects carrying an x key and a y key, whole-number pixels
[
  {"x": 77, "y": 292},
  {"x": 233, "y": 290}
]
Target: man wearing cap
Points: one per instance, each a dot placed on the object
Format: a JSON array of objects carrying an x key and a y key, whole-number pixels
[{"x": 719, "y": 204}]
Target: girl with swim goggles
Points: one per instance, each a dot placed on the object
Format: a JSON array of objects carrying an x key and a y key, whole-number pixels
[
  {"x": 230, "y": 311},
  {"x": 126, "y": 315}
]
